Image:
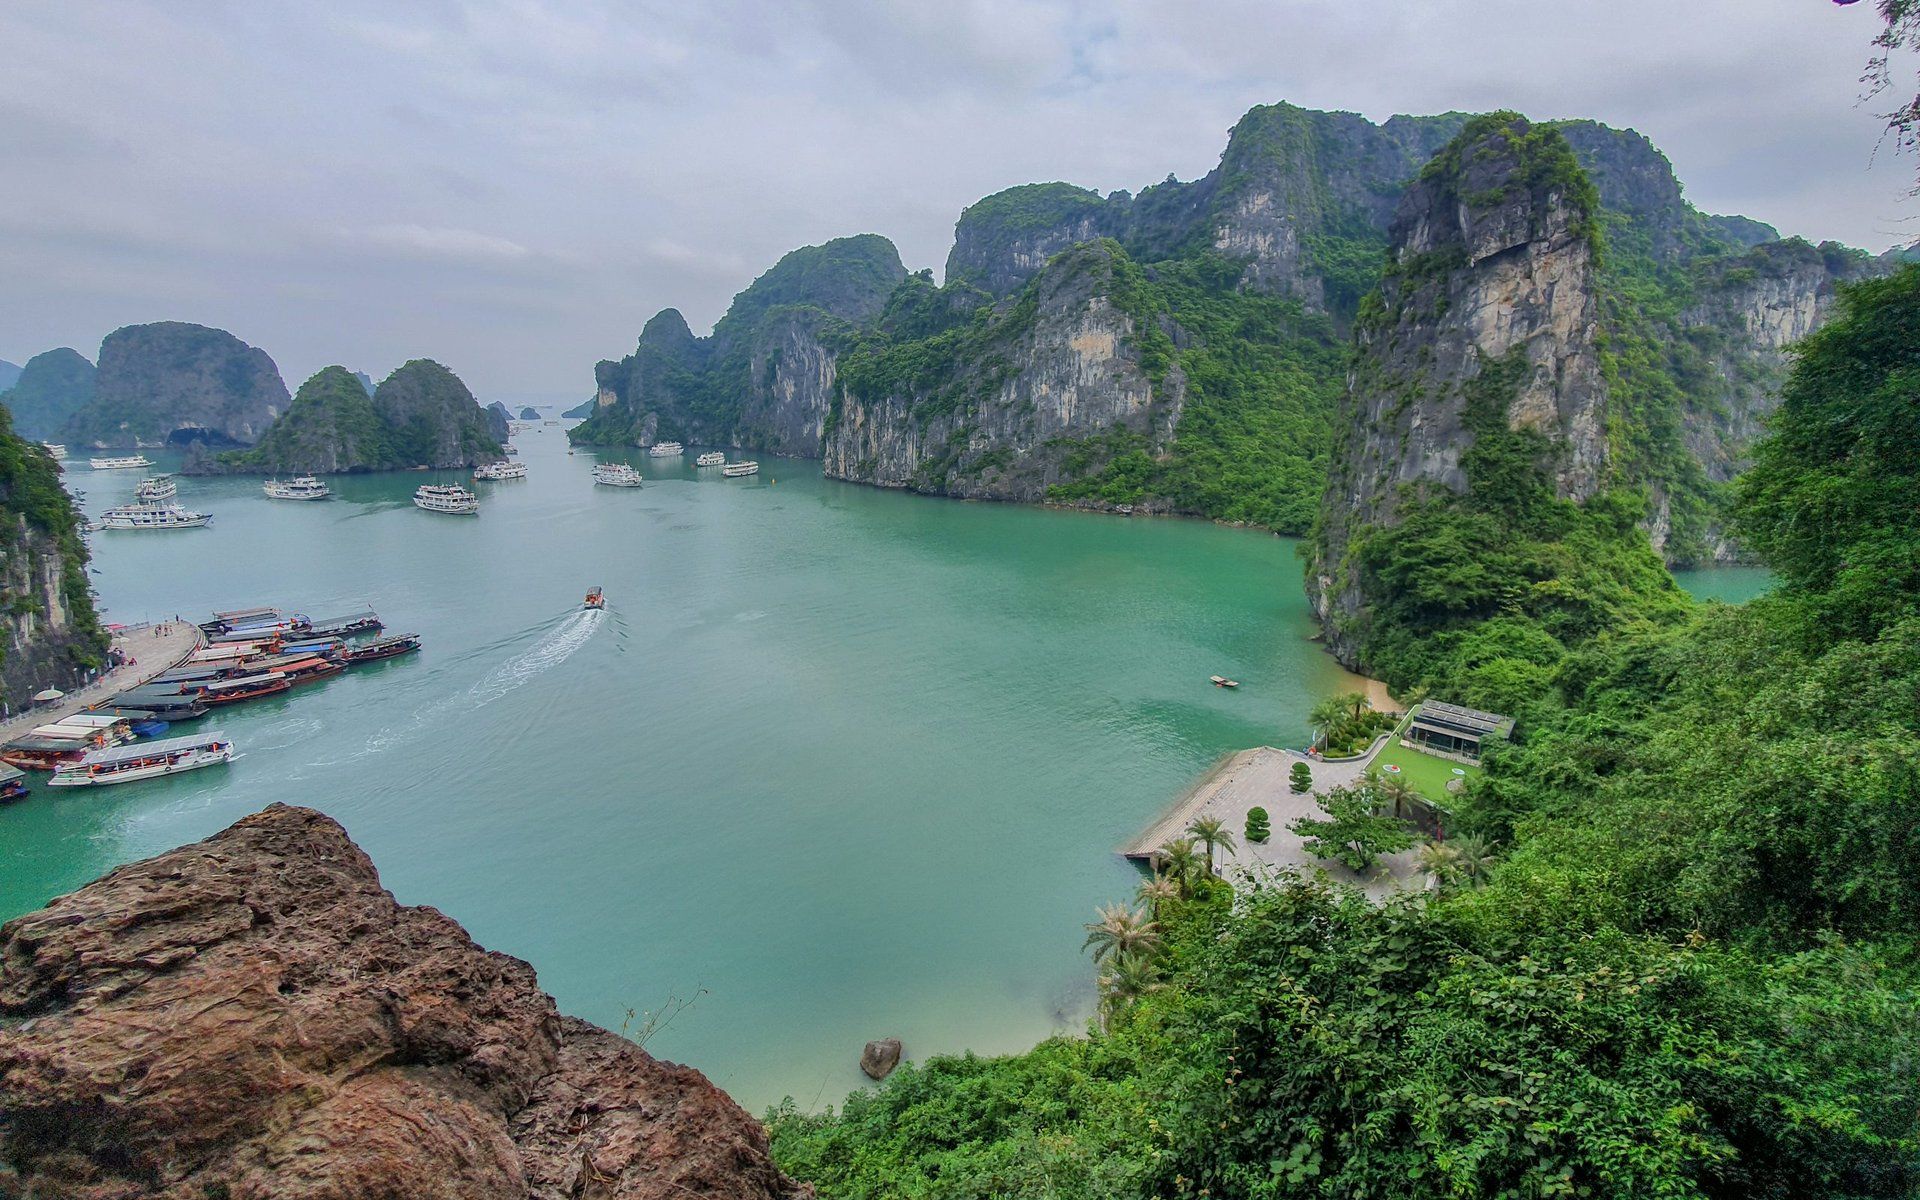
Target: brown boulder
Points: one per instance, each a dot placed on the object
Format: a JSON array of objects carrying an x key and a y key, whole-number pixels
[
  {"x": 880, "y": 1058},
  {"x": 254, "y": 1016}
]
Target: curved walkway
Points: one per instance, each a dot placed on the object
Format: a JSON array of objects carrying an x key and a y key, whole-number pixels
[{"x": 153, "y": 649}]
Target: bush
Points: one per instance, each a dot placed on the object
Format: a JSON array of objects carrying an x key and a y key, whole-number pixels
[
  {"x": 1258, "y": 827},
  {"x": 1301, "y": 780}
]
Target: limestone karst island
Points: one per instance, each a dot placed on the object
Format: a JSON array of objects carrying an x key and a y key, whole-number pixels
[{"x": 992, "y": 600}]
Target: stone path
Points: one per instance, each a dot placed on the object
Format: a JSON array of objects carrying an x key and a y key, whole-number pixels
[{"x": 153, "y": 649}]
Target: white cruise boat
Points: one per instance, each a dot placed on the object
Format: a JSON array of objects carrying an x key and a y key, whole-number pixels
[
  {"x": 300, "y": 487},
  {"x": 501, "y": 470},
  {"x": 153, "y": 516},
  {"x": 616, "y": 475},
  {"x": 712, "y": 458},
  {"x": 446, "y": 498},
  {"x": 144, "y": 760},
  {"x": 735, "y": 470},
  {"x": 155, "y": 490},
  {"x": 126, "y": 463},
  {"x": 58, "y": 451},
  {"x": 665, "y": 450}
]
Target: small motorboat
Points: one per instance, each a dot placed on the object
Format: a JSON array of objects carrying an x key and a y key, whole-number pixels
[
  {"x": 1223, "y": 681},
  {"x": 595, "y": 600}
]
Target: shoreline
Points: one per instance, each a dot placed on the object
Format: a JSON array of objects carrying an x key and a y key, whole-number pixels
[{"x": 164, "y": 649}]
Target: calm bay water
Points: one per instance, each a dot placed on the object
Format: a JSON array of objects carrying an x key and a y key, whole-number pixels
[{"x": 836, "y": 764}]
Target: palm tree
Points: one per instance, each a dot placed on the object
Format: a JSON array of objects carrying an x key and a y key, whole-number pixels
[
  {"x": 1399, "y": 792},
  {"x": 1177, "y": 861},
  {"x": 1121, "y": 932},
  {"x": 1440, "y": 860},
  {"x": 1356, "y": 701},
  {"x": 1155, "y": 893},
  {"x": 1326, "y": 715},
  {"x": 1209, "y": 832},
  {"x": 1125, "y": 980},
  {"x": 1477, "y": 857}
]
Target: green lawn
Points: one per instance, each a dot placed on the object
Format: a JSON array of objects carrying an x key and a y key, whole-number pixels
[{"x": 1427, "y": 774}]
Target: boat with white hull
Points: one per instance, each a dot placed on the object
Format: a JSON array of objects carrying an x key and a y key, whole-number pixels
[
  {"x": 616, "y": 475},
  {"x": 153, "y": 516},
  {"x": 712, "y": 458},
  {"x": 446, "y": 498},
  {"x": 737, "y": 469},
  {"x": 155, "y": 490},
  {"x": 144, "y": 760},
  {"x": 666, "y": 450},
  {"x": 58, "y": 451},
  {"x": 300, "y": 487},
  {"x": 126, "y": 463},
  {"x": 501, "y": 470}
]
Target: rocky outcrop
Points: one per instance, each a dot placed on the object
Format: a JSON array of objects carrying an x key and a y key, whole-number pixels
[
  {"x": 879, "y": 1058},
  {"x": 9, "y": 374},
  {"x": 434, "y": 420},
  {"x": 1488, "y": 319},
  {"x": 499, "y": 422},
  {"x": 172, "y": 382},
  {"x": 529, "y": 413},
  {"x": 49, "y": 391},
  {"x": 49, "y": 632},
  {"x": 584, "y": 409},
  {"x": 254, "y": 1016},
  {"x": 1033, "y": 398},
  {"x": 763, "y": 378}
]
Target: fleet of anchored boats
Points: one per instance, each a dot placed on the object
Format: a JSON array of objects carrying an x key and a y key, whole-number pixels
[{"x": 250, "y": 654}]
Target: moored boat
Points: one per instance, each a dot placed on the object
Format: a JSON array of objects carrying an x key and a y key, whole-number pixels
[
  {"x": 144, "y": 760},
  {"x": 616, "y": 475},
  {"x": 735, "y": 470},
  {"x": 55, "y": 449},
  {"x": 153, "y": 516},
  {"x": 501, "y": 470},
  {"x": 31, "y": 753},
  {"x": 13, "y": 784},
  {"x": 155, "y": 489},
  {"x": 446, "y": 498},
  {"x": 246, "y": 687},
  {"x": 379, "y": 648},
  {"x": 712, "y": 458},
  {"x": 1223, "y": 682},
  {"x": 126, "y": 462},
  {"x": 300, "y": 487},
  {"x": 665, "y": 450}
]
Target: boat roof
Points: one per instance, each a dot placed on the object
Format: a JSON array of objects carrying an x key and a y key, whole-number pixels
[
  {"x": 148, "y": 701},
  {"x": 9, "y": 773},
  {"x": 139, "y": 750},
  {"x": 241, "y": 614},
  {"x": 184, "y": 674},
  {"x": 33, "y": 741},
  {"x": 97, "y": 720},
  {"x": 246, "y": 681},
  {"x": 229, "y": 651}
]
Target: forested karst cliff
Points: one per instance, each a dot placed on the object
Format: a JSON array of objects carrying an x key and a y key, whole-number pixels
[
  {"x": 1231, "y": 300},
  {"x": 51, "y": 632},
  {"x": 51, "y": 388},
  {"x": 422, "y": 415},
  {"x": 176, "y": 382}
]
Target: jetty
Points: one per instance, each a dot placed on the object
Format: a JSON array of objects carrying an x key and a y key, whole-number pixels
[{"x": 150, "y": 650}]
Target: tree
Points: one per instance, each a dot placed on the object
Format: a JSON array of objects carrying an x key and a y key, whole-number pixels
[
  {"x": 1397, "y": 792},
  {"x": 1353, "y": 704},
  {"x": 1126, "y": 979},
  {"x": 1259, "y": 827},
  {"x": 1354, "y": 830},
  {"x": 1325, "y": 715},
  {"x": 1474, "y": 857},
  {"x": 1902, "y": 33},
  {"x": 1439, "y": 861},
  {"x": 1211, "y": 833},
  {"x": 1177, "y": 861},
  {"x": 1300, "y": 779},
  {"x": 1157, "y": 893},
  {"x": 1121, "y": 932}
]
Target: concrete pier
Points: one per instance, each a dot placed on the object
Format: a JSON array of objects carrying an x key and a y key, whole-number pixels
[{"x": 153, "y": 649}]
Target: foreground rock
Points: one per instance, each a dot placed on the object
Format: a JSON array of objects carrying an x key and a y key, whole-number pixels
[
  {"x": 255, "y": 1016},
  {"x": 880, "y": 1058}
]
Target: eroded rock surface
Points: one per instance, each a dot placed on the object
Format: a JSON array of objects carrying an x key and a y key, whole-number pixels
[{"x": 254, "y": 1016}]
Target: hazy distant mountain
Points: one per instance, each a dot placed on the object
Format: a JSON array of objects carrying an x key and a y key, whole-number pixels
[
  {"x": 366, "y": 381},
  {"x": 52, "y": 387},
  {"x": 9, "y": 372},
  {"x": 172, "y": 381},
  {"x": 529, "y": 413}
]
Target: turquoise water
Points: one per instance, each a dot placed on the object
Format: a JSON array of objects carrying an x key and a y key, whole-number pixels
[
  {"x": 837, "y": 763},
  {"x": 1731, "y": 585}
]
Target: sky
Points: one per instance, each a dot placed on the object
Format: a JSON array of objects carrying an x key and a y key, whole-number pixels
[{"x": 513, "y": 186}]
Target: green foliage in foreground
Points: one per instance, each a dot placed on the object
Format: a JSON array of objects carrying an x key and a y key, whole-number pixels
[
  {"x": 1355, "y": 831},
  {"x": 1690, "y": 971},
  {"x": 33, "y": 503}
]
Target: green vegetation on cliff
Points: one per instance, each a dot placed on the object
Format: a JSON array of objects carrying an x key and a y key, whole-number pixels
[
  {"x": 40, "y": 542},
  {"x": 1689, "y": 973},
  {"x": 51, "y": 388},
  {"x": 421, "y": 415}
]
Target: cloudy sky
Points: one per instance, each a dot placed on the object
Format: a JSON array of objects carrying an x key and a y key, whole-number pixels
[{"x": 513, "y": 186}]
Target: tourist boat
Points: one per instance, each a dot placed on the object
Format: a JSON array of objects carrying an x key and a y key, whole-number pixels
[
  {"x": 155, "y": 489},
  {"x": 13, "y": 784},
  {"x": 446, "y": 498},
  {"x": 300, "y": 487},
  {"x": 616, "y": 475},
  {"x": 596, "y": 599},
  {"x": 712, "y": 458},
  {"x": 501, "y": 470},
  {"x": 98, "y": 729},
  {"x": 247, "y": 687},
  {"x": 153, "y": 516},
  {"x": 386, "y": 647},
  {"x": 364, "y": 621},
  {"x": 162, "y": 706},
  {"x": 301, "y": 669},
  {"x": 1223, "y": 681},
  {"x": 125, "y": 463},
  {"x": 56, "y": 450},
  {"x": 665, "y": 450},
  {"x": 33, "y": 753},
  {"x": 510, "y": 448},
  {"x": 735, "y": 470},
  {"x": 146, "y": 760}
]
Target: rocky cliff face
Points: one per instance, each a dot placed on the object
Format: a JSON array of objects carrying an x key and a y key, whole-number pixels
[
  {"x": 433, "y": 419},
  {"x": 1488, "y": 319},
  {"x": 50, "y": 389},
  {"x": 176, "y": 382},
  {"x": 49, "y": 633},
  {"x": 1027, "y": 401},
  {"x": 761, "y": 379},
  {"x": 254, "y": 1016},
  {"x": 499, "y": 422}
]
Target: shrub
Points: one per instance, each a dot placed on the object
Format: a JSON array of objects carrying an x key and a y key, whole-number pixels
[
  {"x": 1301, "y": 779},
  {"x": 1258, "y": 827}
]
